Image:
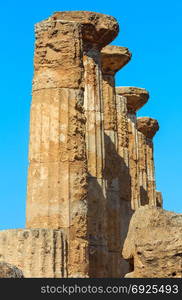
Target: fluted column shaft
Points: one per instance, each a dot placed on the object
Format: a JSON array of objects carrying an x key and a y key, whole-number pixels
[
  {"x": 57, "y": 154},
  {"x": 133, "y": 158},
  {"x": 151, "y": 185},
  {"x": 142, "y": 169},
  {"x": 135, "y": 99},
  {"x": 113, "y": 58},
  {"x": 147, "y": 128},
  {"x": 97, "y": 218},
  {"x": 124, "y": 175},
  {"x": 111, "y": 173}
]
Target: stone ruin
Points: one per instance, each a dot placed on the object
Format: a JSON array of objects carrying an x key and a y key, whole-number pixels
[{"x": 90, "y": 158}]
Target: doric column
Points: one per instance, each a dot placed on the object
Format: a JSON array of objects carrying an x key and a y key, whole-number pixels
[
  {"x": 113, "y": 58},
  {"x": 159, "y": 199},
  {"x": 147, "y": 128},
  {"x": 94, "y": 111},
  {"x": 66, "y": 134},
  {"x": 134, "y": 98}
]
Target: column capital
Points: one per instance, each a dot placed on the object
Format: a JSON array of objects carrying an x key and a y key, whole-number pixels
[
  {"x": 97, "y": 29},
  {"x": 136, "y": 97},
  {"x": 113, "y": 58},
  {"x": 147, "y": 126}
]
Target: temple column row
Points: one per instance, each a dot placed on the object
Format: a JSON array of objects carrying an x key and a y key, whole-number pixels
[
  {"x": 90, "y": 158},
  {"x": 128, "y": 162}
]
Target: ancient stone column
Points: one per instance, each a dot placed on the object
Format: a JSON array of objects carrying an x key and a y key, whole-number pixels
[
  {"x": 159, "y": 199},
  {"x": 93, "y": 104},
  {"x": 65, "y": 181},
  {"x": 147, "y": 128},
  {"x": 124, "y": 173},
  {"x": 135, "y": 99},
  {"x": 113, "y": 58}
]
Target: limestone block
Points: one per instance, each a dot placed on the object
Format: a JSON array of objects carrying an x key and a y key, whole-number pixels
[
  {"x": 159, "y": 199},
  {"x": 9, "y": 271},
  {"x": 37, "y": 252},
  {"x": 113, "y": 58},
  {"x": 147, "y": 128},
  {"x": 51, "y": 139},
  {"x": 135, "y": 99},
  {"x": 58, "y": 50},
  {"x": 154, "y": 243},
  {"x": 96, "y": 28},
  {"x": 123, "y": 148},
  {"x": 143, "y": 169},
  {"x": 54, "y": 191}
]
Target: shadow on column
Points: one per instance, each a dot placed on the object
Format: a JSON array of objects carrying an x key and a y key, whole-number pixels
[
  {"x": 144, "y": 199},
  {"x": 109, "y": 216}
]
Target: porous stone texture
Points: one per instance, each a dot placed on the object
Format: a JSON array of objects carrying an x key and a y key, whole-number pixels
[
  {"x": 154, "y": 243},
  {"x": 147, "y": 128},
  {"x": 126, "y": 209},
  {"x": 97, "y": 29},
  {"x": 135, "y": 98},
  {"x": 159, "y": 199},
  {"x": 9, "y": 271},
  {"x": 95, "y": 145},
  {"x": 38, "y": 252},
  {"x": 113, "y": 58}
]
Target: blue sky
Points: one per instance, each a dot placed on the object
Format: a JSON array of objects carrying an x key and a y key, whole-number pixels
[{"x": 152, "y": 30}]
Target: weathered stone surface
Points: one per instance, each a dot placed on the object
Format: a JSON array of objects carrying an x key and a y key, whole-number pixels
[
  {"x": 113, "y": 58},
  {"x": 143, "y": 164},
  {"x": 37, "y": 252},
  {"x": 136, "y": 97},
  {"x": 57, "y": 180},
  {"x": 147, "y": 126},
  {"x": 9, "y": 271},
  {"x": 159, "y": 199},
  {"x": 154, "y": 243},
  {"x": 124, "y": 178},
  {"x": 97, "y": 29},
  {"x": 95, "y": 149}
]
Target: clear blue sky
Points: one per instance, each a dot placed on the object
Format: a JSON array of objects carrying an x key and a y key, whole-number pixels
[{"x": 152, "y": 30}]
